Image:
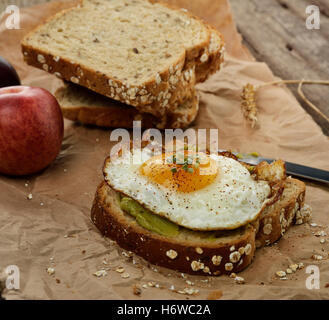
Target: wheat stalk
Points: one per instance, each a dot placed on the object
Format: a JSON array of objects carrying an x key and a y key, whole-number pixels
[{"x": 249, "y": 105}]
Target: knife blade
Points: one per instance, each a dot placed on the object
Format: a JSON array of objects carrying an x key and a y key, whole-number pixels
[{"x": 293, "y": 169}]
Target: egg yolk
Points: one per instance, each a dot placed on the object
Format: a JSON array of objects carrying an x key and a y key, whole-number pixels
[{"x": 185, "y": 172}]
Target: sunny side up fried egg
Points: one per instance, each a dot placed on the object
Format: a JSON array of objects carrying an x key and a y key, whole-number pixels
[{"x": 202, "y": 192}]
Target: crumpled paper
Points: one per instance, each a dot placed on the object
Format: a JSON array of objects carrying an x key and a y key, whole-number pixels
[{"x": 54, "y": 230}]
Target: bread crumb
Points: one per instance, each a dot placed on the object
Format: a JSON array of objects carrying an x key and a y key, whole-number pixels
[
  {"x": 137, "y": 291},
  {"x": 215, "y": 295}
]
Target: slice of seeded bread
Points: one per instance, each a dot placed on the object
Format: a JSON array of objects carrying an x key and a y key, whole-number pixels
[
  {"x": 278, "y": 217},
  {"x": 138, "y": 52},
  {"x": 191, "y": 252},
  {"x": 87, "y": 107}
]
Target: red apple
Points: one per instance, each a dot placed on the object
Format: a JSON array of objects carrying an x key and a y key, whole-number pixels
[
  {"x": 31, "y": 129},
  {"x": 8, "y": 75}
]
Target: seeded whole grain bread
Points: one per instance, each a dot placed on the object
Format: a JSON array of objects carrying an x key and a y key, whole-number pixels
[
  {"x": 232, "y": 251},
  {"x": 88, "y": 107},
  {"x": 279, "y": 216},
  {"x": 139, "y": 52}
]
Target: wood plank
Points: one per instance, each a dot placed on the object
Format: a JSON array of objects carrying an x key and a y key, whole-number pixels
[
  {"x": 298, "y": 8},
  {"x": 277, "y": 35}
]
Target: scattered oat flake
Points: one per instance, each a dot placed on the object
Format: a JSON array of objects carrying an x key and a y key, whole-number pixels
[
  {"x": 125, "y": 275},
  {"x": 322, "y": 241},
  {"x": 172, "y": 287},
  {"x": 189, "y": 291},
  {"x": 317, "y": 257},
  {"x": 289, "y": 271},
  {"x": 127, "y": 254},
  {"x": 151, "y": 284},
  {"x": 190, "y": 283},
  {"x": 239, "y": 280},
  {"x": 313, "y": 224},
  {"x": 30, "y": 196},
  {"x": 293, "y": 267},
  {"x": 145, "y": 286},
  {"x": 120, "y": 270},
  {"x": 100, "y": 273},
  {"x": 320, "y": 234},
  {"x": 281, "y": 274},
  {"x": 51, "y": 271},
  {"x": 26, "y": 185}
]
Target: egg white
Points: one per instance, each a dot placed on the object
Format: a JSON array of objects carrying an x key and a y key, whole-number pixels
[{"x": 233, "y": 199}]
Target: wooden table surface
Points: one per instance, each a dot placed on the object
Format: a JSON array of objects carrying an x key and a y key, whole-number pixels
[{"x": 275, "y": 32}]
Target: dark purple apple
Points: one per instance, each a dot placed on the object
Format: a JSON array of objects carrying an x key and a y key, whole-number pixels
[
  {"x": 31, "y": 129},
  {"x": 8, "y": 75}
]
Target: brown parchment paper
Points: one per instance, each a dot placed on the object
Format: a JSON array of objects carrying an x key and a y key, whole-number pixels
[{"x": 54, "y": 229}]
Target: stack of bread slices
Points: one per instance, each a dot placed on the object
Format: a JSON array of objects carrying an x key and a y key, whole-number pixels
[{"x": 126, "y": 60}]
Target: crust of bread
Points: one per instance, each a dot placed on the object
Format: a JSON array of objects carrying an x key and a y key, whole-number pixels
[
  {"x": 110, "y": 113},
  {"x": 192, "y": 257},
  {"x": 150, "y": 97},
  {"x": 278, "y": 217}
]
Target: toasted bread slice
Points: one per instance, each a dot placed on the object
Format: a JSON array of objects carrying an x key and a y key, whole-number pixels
[
  {"x": 87, "y": 107},
  {"x": 191, "y": 252},
  {"x": 142, "y": 53},
  {"x": 278, "y": 217}
]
